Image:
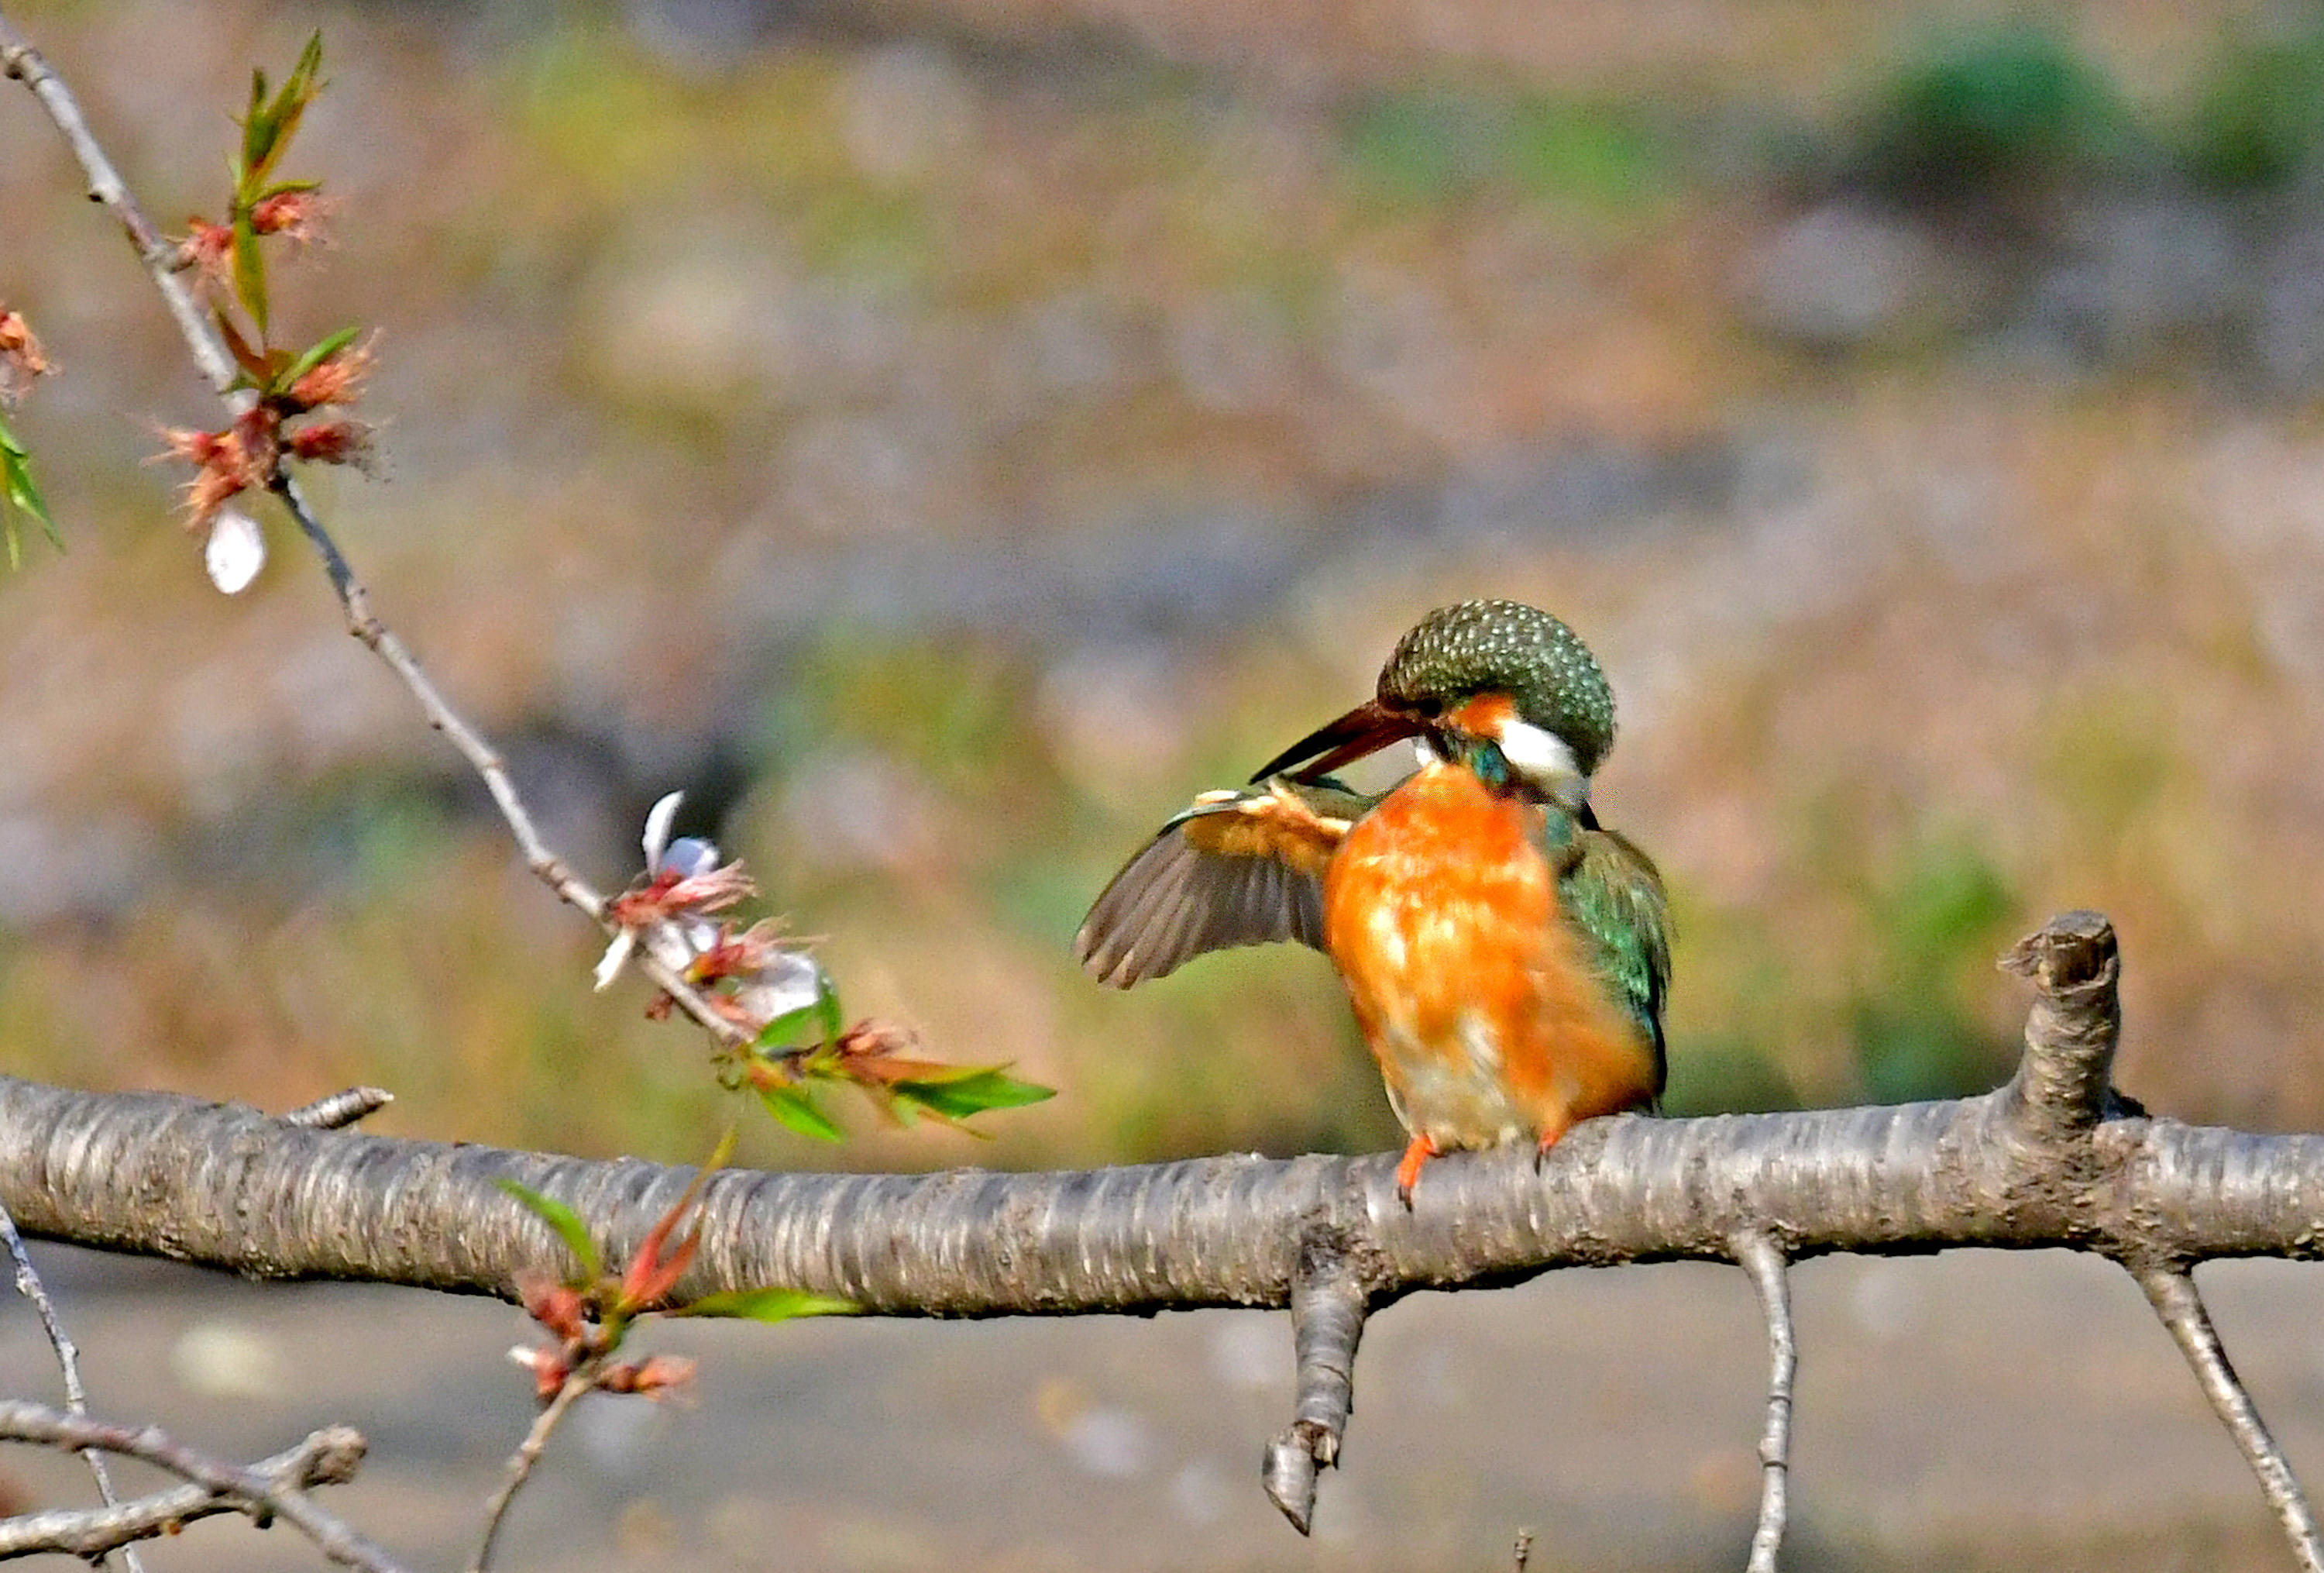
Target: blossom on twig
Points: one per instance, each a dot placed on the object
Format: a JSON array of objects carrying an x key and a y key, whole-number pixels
[
  {"x": 296, "y": 214},
  {"x": 206, "y": 251},
  {"x": 337, "y": 378},
  {"x": 667, "y": 910},
  {"x": 20, "y": 357}
]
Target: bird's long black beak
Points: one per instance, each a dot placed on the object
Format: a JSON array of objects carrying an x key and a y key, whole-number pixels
[{"x": 1367, "y": 729}]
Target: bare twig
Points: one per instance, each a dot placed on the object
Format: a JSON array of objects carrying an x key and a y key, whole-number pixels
[
  {"x": 20, "y": 59},
  {"x": 1760, "y": 1257},
  {"x": 29, "y": 1285},
  {"x": 1327, "y": 1319},
  {"x": 328, "y": 1458},
  {"x": 1521, "y": 1552},
  {"x": 580, "y": 1380},
  {"x": 339, "y": 1110},
  {"x": 2174, "y": 1295},
  {"x": 254, "y": 1493}
]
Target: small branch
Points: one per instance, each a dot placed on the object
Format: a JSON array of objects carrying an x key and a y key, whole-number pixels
[
  {"x": 2060, "y": 1091},
  {"x": 579, "y": 1381},
  {"x": 1521, "y": 1552},
  {"x": 1327, "y": 1317},
  {"x": 246, "y": 1489},
  {"x": 2174, "y": 1295},
  {"x": 20, "y": 59},
  {"x": 339, "y": 1110},
  {"x": 1759, "y": 1256},
  {"x": 328, "y": 1458},
  {"x": 29, "y": 1285}
]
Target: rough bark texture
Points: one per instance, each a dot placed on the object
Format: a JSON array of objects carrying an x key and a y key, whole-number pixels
[
  {"x": 2052, "y": 1159},
  {"x": 2041, "y": 1162}
]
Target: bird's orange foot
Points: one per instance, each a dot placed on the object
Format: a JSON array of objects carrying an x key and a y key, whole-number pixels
[
  {"x": 1407, "y": 1171},
  {"x": 1549, "y": 1138}
]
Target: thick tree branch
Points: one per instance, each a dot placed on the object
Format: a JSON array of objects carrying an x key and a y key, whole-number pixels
[
  {"x": 1759, "y": 1258},
  {"x": 231, "y": 1188},
  {"x": 247, "y": 1490},
  {"x": 2024, "y": 1167},
  {"x": 327, "y": 1458},
  {"x": 2174, "y": 1298}
]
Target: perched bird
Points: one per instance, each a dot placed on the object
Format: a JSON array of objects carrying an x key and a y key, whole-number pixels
[{"x": 1507, "y": 957}]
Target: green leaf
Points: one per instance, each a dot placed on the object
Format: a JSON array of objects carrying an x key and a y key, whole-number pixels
[
  {"x": 794, "y": 1107},
  {"x": 266, "y": 133},
  {"x": 257, "y": 131},
  {"x": 315, "y": 357},
  {"x": 826, "y": 1008},
  {"x": 17, "y": 488},
  {"x": 299, "y": 90},
  {"x": 784, "y": 1030},
  {"x": 565, "y": 1221},
  {"x": 970, "y": 1090},
  {"x": 765, "y": 1305},
  {"x": 249, "y": 271},
  {"x": 823, "y": 1015}
]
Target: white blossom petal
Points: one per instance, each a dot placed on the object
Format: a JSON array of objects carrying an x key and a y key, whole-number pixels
[
  {"x": 677, "y": 942},
  {"x": 688, "y": 856},
  {"x": 790, "y": 982},
  {"x": 657, "y": 823},
  {"x": 235, "y": 551},
  {"x": 616, "y": 957}
]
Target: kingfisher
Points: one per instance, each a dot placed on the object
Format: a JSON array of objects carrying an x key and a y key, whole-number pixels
[{"x": 1507, "y": 956}]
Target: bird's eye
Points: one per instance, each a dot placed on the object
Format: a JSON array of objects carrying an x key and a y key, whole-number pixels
[{"x": 1428, "y": 706}]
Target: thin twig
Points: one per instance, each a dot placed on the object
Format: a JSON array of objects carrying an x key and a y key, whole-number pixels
[
  {"x": 1523, "y": 1552},
  {"x": 252, "y": 1493},
  {"x": 328, "y": 1458},
  {"x": 29, "y": 1285},
  {"x": 20, "y": 59},
  {"x": 340, "y": 1110},
  {"x": 1761, "y": 1258},
  {"x": 2175, "y": 1300},
  {"x": 580, "y": 1380}
]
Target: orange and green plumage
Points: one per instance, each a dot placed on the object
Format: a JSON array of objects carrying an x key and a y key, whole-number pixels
[{"x": 1505, "y": 958}]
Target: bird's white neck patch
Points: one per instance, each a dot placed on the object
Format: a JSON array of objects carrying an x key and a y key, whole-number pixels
[{"x": 1544, "y": 762}]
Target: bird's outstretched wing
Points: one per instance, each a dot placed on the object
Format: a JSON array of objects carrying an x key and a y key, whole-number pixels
[
  {"x": 1237, "y": 868},
  {"x": 1614, "y": 895}
]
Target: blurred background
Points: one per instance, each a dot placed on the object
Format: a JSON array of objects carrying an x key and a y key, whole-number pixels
[{"x": 940, "y": 436}]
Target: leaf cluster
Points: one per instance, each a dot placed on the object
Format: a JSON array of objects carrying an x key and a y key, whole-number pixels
[
  {"x": 795, "y": 1052},
  {"x": 21, "y": 493},
  {"x": 608, "y": 1302}
]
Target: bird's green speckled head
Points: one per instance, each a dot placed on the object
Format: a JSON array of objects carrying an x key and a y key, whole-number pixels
[{"x": 1506, "y": 647}]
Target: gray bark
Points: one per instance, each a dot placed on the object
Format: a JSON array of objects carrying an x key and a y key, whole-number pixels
[
  {"x": 2043, "y": 1162},
  {"x": 2054, "y": 1159}
]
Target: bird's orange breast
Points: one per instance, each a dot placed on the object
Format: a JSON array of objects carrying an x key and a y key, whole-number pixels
[{"x": 1440, "y": 913}]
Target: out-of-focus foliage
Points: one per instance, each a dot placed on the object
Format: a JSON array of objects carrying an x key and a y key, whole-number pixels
[
  {"x": 2259, "y": 120},
  {"x": 1993, "y": 111}
]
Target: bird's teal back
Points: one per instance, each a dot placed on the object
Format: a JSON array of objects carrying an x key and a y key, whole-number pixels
[{"x": 1612, "y": 893}]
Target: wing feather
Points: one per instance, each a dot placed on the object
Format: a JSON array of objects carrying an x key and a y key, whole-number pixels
[
  {"x": 1614, "y": 895},
  {"x": 1238, "y": 868}
]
